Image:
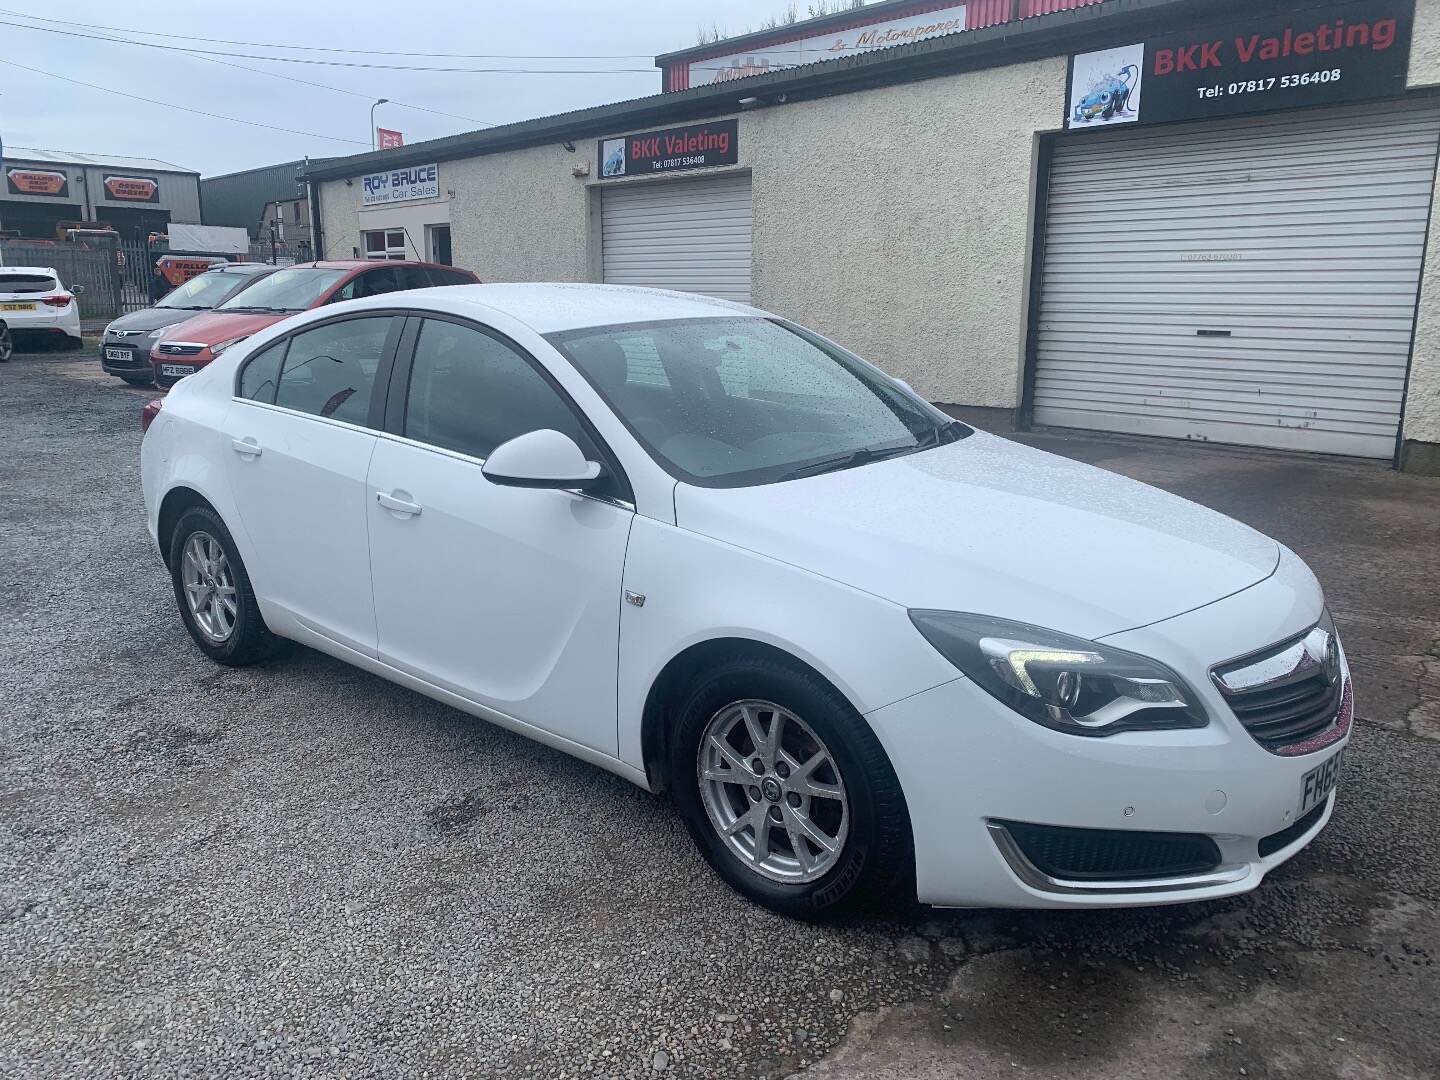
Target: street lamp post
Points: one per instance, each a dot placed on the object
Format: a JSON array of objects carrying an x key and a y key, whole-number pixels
[{"x": 380, "y": 101}]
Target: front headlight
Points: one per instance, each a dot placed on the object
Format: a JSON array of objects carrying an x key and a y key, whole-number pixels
[
  {"x": 216, "y": 350},
  {"x": 154, "y": 335},
  {"x": 1069, "y": 684}
]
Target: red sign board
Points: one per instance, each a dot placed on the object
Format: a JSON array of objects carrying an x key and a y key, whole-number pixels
[
  {"x": 132, "y": 188},
  {"x": 386, "y": 139},
  {"x": 37, "y": 182}
]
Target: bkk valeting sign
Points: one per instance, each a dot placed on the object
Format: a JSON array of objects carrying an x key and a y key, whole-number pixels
[
  {"x": 1322, "y": 56},
  {"x": 400, "y": 185},
  {"x": 695, "y": 146}
]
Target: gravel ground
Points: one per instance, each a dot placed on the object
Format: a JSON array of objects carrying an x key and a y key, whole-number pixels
[{"x": 300, "y": 870}]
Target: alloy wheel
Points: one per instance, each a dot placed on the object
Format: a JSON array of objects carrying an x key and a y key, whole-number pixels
[
  {"x": 7, "y": 344},
  {"x": 773, "y": 791},
  {"x": 209, "y": 587}
]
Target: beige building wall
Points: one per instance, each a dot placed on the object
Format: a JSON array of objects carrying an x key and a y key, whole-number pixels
[
  {"x": 1422, "y": 399},
  {"x": 896, "y": 221}
]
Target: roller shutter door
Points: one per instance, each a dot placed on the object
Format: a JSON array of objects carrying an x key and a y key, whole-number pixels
[
  {"x": 1246, "y": 281},
  {"x": 691, "y": 235}
]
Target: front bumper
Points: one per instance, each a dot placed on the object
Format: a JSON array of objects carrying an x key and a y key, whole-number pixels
[
  {"x": 169, "y": 370},
  {"x": 968, "y": 765},
  {"x": 135, "y": 361}
]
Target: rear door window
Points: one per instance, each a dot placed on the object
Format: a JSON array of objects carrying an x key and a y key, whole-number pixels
[
  {"x": 449, "y": 277},
  {"x": 261, "y": 373},
  {"x": 414, "y": 277},
  {"x": 330, "y": 371}
]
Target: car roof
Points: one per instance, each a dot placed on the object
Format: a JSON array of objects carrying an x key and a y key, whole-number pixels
[
  {"x": 243, "y": 268},
  {"x": 550, "y": 307},
  {"x": 366, "y": 264}
]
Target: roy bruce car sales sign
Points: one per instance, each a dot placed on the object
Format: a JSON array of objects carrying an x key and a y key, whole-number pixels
[
  {"x": 400, "y": 185},
  {"x": 1321, "y": 56}
]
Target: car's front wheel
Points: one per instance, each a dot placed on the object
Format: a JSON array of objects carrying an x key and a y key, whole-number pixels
[
  {"x": 213, "y": 591},
  {"x": 786, "y": 790},
  {"x": 7, "y": 344}
]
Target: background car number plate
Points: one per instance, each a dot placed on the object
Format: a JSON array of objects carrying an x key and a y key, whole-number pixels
[
  {"x": 1316, "y": 785},
  {"x": 117, "y": 354},
  {"x": 17, "y": 307},
  {"x": 177, "y": 369}
]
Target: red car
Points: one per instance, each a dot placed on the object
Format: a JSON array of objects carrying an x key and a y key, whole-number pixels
[{"x": 190, "y": 345}]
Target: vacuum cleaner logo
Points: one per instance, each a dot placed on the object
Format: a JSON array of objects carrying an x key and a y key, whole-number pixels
[
  {"x": 1286, "y": 60},
  {"x": 1105, "y": 87}
]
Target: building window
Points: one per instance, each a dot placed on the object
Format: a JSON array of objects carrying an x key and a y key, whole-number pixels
[{"x": 384, "y": 244}]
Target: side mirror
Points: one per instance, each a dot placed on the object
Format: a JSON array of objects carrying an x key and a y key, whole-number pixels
[{"x": 541, "y": 459}]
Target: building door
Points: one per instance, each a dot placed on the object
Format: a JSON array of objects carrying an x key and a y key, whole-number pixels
[
  {"x": 690, "y": 235},
  {"x": 1249, "y": 281},
  {"x": 440, "y": 244}
]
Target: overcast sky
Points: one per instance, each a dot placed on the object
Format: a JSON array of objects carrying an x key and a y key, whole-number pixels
[{"x": 42, "y": 111}]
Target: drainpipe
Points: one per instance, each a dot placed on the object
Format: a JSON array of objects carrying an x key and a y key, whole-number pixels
[{"x": 317, "y": 230}]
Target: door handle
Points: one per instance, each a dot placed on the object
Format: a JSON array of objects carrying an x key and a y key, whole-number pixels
[
  {"x": 399, "y": 506},
  {"x": 246, "y": 447}
]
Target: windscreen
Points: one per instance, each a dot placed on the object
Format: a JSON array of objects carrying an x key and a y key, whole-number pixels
[
  {"x": 293, "y": 289},
  {"x": 204, "y": 291},
  {"x": 732, "y": 401}
]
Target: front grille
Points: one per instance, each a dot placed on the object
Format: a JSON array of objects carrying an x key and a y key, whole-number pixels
[
  {"x": 1281, "y": 715},
  {"x": 171, "y": 349},
  {"x": 1112, "y": 854},
  {"x": 1287, "y": 836},
  {"x": 1286, "y": 694}
]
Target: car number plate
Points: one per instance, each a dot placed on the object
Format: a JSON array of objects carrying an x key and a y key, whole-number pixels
[
  {"x": 177, "y": 369},
  {"x": 122, "y": 355},
  {"x": 1316, "y": 785},
  {"x": 17, "y": 307}
]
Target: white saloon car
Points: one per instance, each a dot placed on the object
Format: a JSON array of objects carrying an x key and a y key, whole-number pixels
[
  {"x": 865, "y": 648},
  {"x": 33, "y": 302}
]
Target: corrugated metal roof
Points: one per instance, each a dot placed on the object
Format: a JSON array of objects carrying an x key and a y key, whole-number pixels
[
  {"x": 100, "y": 161},
  {"x": 239, "y": 199}
]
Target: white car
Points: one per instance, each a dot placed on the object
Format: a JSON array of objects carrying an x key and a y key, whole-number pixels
[
  {"x": 34, "y": 302},
  {"x": 865, "y": 648}
]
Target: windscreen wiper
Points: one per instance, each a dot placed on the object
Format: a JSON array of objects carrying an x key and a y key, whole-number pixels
[{"x": 863, "y": 456}]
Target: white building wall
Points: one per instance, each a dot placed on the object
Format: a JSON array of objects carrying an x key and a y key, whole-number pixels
[{"x": 1422, "y": 399}]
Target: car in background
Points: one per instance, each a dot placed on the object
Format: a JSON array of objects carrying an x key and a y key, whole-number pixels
[
  {"x": 34, "y": 303},
  {"x": 125, "y": 345},
  {"x": 286, "y": 292}
]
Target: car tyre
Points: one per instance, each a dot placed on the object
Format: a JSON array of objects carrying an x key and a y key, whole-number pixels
[
  {"x": 874, "y": 858},
  {"x": 7, "y": 344},
  {"x": 213, "y": 591}
]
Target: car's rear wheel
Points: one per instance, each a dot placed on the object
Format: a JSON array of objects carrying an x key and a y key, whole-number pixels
[
  {"x": 786, "y": 790},
  {"x": 213, "y": 591},
  {"x": 7, "y": 344}
]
